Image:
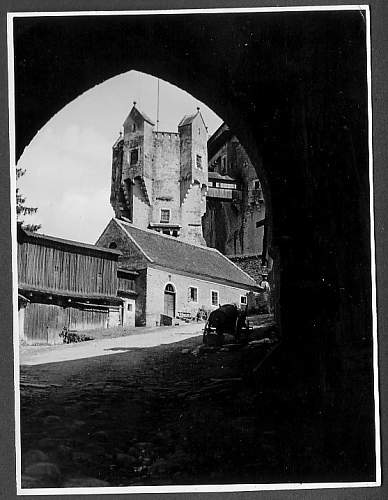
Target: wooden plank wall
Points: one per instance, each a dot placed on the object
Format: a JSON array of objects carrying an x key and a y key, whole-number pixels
[
  {"x": 125, "y": 284},
  {"x": 61, "y": 270},
  {"x": 44, "y": 322},
  {"x": 83, "y": 319}
]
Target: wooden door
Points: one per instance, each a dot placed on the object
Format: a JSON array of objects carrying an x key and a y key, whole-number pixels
[{"x": 169, "y": 304}]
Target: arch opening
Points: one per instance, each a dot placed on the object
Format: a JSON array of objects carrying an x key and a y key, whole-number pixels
[{"x": 301, "y": 115}]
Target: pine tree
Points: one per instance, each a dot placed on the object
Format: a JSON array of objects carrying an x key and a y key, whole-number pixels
[{"x": 21, "y": 209}]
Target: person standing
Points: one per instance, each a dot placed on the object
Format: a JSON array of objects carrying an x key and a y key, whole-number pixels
[{"x": 265, "y": 286}]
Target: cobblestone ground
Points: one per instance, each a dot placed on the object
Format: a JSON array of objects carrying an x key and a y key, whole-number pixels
[
  {"x": 173, "y": 414},
  {"x": 176, "y": 414}
]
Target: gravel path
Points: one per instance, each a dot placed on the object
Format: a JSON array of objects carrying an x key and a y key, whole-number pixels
[{"x": 142, "y": 337}]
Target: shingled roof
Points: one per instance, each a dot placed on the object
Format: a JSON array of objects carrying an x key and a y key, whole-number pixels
[
  {"x": 136, "y": 111},
  {"x": 203, "y": 262},
  {"x": 188, "y": 119}
]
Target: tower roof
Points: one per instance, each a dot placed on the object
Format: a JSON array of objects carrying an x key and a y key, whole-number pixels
[
  {"x": 136, "y": 113},
  {"x": 188, "y": 119}
]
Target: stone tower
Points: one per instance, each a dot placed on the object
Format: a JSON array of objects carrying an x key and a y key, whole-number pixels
[{"x": 159, "y": 179}]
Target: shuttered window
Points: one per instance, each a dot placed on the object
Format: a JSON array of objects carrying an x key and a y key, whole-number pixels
[
  {"x": 134, "y": 156},
  {"x": 193, "y": 294},
  {"x": 165, "y": 215},
  {"x": 214, "y": 298}
]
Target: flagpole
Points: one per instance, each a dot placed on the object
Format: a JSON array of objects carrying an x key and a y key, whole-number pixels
[{"x": 157, "y": 110}]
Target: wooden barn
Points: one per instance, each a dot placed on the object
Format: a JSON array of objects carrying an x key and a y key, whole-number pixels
[{"x": 68, "y": 284}]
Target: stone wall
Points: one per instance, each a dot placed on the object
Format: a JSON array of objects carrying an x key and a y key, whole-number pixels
[
  {"x": 231, "y": 227},
  {"x": 140, "y": 207},
  {"x": 251, "y": 264},
  {"x": 157, "y": 279},
  {"x": 192, "y": 211},
  {"x": 166, "y": 172}
]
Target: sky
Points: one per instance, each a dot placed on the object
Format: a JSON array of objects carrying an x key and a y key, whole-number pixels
[{"x": 68, "y": 163}]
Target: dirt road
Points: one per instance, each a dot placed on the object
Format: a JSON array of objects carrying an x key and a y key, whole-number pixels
[{"x": 168, "y": 414}]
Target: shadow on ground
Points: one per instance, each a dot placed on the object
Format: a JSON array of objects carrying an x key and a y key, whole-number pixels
[{"x": 174, "y": 414}]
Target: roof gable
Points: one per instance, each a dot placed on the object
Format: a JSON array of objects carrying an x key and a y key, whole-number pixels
[
  {"x": 189, "y": 119},
  {"x": 137, "y": 115},
  {"x": 172, "y": 253},
  {"x": 131, "y": 254}
]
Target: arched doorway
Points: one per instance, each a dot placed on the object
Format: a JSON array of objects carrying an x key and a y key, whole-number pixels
[{"x": 169, "y": 300}]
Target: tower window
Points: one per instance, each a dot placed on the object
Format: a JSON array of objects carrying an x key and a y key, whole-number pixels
[
  {"x": 199, "y": 162},
  {"x": 165, "y": 215},
  {"x": 134, "y": 156}
]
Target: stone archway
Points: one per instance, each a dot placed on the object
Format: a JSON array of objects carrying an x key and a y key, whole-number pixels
[{"x": 293, "y": 89}]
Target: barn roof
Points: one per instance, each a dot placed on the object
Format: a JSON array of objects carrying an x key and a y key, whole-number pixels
[
  {"x": 43, "y": 239},
  {"x": 203, "y": 262}
]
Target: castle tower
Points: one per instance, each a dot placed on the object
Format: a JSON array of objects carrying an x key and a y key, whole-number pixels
[
  {"x": 159, "y": 179},
  {"x": 193, "y": 175}
]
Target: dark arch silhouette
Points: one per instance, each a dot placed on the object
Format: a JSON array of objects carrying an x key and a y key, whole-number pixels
[{"x": 293, "y": 89}]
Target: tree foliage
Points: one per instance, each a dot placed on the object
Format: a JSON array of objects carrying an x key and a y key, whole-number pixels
[{"x": 21, "y": 209}]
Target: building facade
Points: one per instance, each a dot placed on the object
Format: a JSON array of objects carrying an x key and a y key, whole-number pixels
[
  {"x": 159, "y": 179},
  {"x": 235, "y": 217},
  {"x": 235, "y": 221},
  {"x": 175, "y": 279},
  {"x": 64, "y": 283}
]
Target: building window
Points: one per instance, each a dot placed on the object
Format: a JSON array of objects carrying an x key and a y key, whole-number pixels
[
  {"x": 193, "y": 294},
  {"x": 175, "y": 233},
  {"x": 199, "y": 162},
  {"x": 215, "y": 298},
  {"x": 134, "y": 127},
  {"x": 243, "y": 300},
  {"x": 166, "y": 231},
  {"x": 130, "y": 307},
  {"x": 134, "y": 156},
  {"x": 165, "y": 215},
  {"x": 256, "y": 185},
  {"x": 113, "y": 245}
]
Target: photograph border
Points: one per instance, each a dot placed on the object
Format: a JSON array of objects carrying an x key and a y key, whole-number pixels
[{"x": 190, "y": 488}]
